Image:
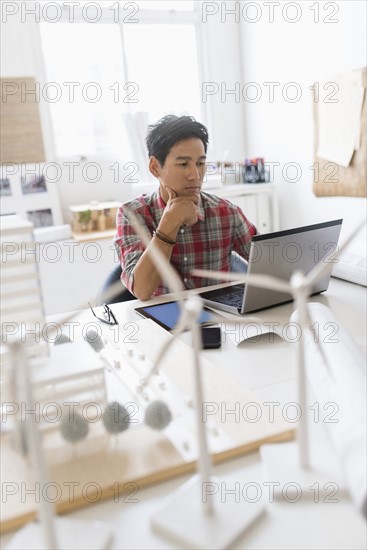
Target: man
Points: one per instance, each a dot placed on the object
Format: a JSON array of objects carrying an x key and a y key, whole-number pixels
[{"x": 193, "y": 229}]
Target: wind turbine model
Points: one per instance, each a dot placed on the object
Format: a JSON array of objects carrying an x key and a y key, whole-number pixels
[
  {"x": 282, "y": 461},
  {"x": 187, "y": 517},
  {"x": 218, "y": 526}
]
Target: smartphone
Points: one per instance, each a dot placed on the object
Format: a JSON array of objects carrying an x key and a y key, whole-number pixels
[{"x": 211, "y": 337}]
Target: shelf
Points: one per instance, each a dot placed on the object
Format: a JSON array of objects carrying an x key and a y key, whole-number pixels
[
  {"x": 108, "y": 205},
  {"x": 237, "y": 189},
  {"x": 93, "y": 235}
]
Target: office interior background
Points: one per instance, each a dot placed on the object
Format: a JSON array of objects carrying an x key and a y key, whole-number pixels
[
  {"x": 251, "y": 72},
  {"x": 245, "y": 69}
]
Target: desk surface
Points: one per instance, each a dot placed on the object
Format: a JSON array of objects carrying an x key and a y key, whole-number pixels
[
  {"x": 269, "y": 372},
  {"x": 250, "y": 363}
]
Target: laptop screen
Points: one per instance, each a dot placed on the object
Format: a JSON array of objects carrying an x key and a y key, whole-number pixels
[{"x": 281, "y": 253}]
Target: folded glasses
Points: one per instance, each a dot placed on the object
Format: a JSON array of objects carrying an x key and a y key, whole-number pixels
[{"x": 108, "y": 316}]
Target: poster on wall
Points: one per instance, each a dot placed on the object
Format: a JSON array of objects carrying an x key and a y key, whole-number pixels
[
  {"x": 5, "y": 189},
  {"x": 25, "y": 188},
  {"x": 21, "y": 139},
  {"x": 26, "y": 191},
  {"x": 340, "y": 139},
  {"x": 40, "y": 218},
  {"x": 33, "y": 184}
]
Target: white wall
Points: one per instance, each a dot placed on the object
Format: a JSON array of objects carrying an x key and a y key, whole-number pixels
[
  {"x": 22, "y": 57},
  {"x": 302, "y": 52}
]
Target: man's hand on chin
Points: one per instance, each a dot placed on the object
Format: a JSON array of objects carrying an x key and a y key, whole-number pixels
[{"x": 184, "y": 208}]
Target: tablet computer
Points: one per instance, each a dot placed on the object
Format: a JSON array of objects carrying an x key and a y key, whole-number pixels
[{"x": 167, "y": 314}]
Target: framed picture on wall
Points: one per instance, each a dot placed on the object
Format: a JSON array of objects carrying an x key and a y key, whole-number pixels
[
  {"x": 40, "y": 218},
  {"x": 5, "y": 189},
  {"x": 33, "y": 184},
  {"x": 25, "y": 190}
]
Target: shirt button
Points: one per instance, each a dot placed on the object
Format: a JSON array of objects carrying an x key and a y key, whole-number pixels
[
  {"x": 185, "y": 280},
  {"x": 185, "y": 259},
  {"x": 182, "y": 230}
]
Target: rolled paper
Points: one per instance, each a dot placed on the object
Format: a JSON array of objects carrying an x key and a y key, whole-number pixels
[{"x": 338, "y": 376}]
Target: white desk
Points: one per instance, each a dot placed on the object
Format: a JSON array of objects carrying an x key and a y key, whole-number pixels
[
  {"x": 268, "y": 370},
  {"x": 259, "y": 367}
]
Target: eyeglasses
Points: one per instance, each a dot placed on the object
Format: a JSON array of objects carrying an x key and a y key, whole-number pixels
[{"x": 108, "y": 316}]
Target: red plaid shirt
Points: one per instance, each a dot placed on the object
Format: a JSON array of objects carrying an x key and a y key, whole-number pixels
[{"x": 208, "y": 244}]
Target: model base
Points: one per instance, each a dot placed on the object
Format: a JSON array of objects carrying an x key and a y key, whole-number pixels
[
  {"x": 281, "y": 467},
  {"x": 184, "y": 520},
  {"x": 71, "y": 534}
]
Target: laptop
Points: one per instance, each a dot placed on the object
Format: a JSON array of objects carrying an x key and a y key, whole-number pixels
[{"x": 279, "y": 254}]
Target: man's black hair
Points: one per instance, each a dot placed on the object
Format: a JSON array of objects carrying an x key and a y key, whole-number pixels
[{"x": 171, "y": 129}]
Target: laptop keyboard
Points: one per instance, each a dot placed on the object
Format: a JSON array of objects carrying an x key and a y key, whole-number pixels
[{"x": 231, "y": 297}]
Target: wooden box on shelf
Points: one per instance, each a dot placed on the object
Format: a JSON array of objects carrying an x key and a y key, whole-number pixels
[{"x": 94, "y": 220}]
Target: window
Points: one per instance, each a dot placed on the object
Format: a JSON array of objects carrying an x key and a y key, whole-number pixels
[
  {"x": 164, "y": 68},
  {"x": 101, "y": 77},
  {"x": 85, "y": 120}
]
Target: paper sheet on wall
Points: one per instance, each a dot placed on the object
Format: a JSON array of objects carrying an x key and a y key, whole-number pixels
[{"x": 340, "y": 121}]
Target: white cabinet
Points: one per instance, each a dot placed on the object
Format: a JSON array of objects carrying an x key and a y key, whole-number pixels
[
  {"x": 257, "y": 201},
  {"x": 72, "y": 272},
  {"x": 248, "y": 206}
]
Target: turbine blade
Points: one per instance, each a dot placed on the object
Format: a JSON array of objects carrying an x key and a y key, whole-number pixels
[
  {"x": 309, "y": 323},
  {"x": 109, "y": 294},
  {"x": 261, "y": 281},
  {"x": 162, "y": 352},
  {"x": 222, "y": 316},
  {"x": 115, "y": 289}
]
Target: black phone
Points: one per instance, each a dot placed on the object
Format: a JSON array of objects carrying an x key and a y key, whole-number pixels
[{"x": 211, "y": 337}]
